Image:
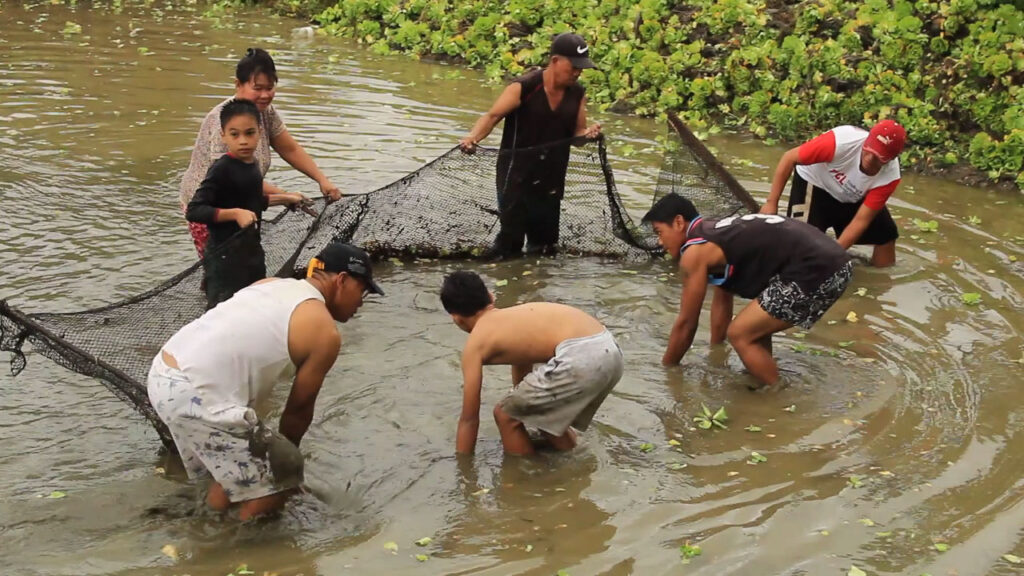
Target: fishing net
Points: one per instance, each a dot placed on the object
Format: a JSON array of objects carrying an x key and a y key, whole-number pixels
[{"x": 446, "y": 209}]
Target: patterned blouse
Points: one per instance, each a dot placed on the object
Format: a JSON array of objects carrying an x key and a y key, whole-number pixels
[{"x": 209, "y": 147}]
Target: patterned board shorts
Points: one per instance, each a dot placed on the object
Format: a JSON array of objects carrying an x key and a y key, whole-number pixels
[
  {"x": 788, "y": 302},
  {"x": 568, "y": 389},
  {"x": 228, "y": 443}
]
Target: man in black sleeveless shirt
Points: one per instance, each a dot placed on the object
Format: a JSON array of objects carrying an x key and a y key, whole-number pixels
[
  {"x": 543, "y": 110},
  {"x": 791, "y": 272}
]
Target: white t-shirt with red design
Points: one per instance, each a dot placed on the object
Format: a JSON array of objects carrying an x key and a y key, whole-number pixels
[{"x": 832, "y": 162}]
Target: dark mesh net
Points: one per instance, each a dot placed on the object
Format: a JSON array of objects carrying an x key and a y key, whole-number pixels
[{"x": 446, "y": 209}]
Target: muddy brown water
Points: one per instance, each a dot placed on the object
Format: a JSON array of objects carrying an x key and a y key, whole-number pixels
[{"x": 907, "y": 435}]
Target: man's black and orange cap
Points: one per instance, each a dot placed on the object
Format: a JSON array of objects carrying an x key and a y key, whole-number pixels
[{"x": 339, "y": 257}]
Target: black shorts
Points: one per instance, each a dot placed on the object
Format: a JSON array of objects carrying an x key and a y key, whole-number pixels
[
  {"x": 827, "y": 212},
  {"x": 788, "y": 302},
  {"x": 533, "y": 216}
]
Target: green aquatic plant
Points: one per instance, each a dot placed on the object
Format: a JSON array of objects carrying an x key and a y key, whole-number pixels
[{"x": 707, "y": 419}]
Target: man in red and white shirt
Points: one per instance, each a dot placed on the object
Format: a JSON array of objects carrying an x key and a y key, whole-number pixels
[{"x": 852, "y": 173}]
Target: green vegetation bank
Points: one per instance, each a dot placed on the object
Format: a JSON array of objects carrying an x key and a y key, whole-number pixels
[{"x": 951, "y": 71}]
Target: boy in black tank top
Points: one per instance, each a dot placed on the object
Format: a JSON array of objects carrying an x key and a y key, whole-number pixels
[
  {"x": 543, "y": 111},
  {"x": 791, "y": 279}
]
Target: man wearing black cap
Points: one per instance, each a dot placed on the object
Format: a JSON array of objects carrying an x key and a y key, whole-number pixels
[
  {"x": 540, "y": 108},
  {"x": 791, "y": 272},
  {"x": 211, "y": 377}
]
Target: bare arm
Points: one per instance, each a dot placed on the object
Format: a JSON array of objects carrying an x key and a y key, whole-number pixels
[
  {"x": 857, "y": 226},
  {"x": 581, "y": 122},
  {"x": 319, "y": 343},
  {"x": 503, "y": 106},
  {"x": 472, "y": 382},
  {"x": 695, "y": 287},
  {"x": 721, "y": 315},
  {"x": 788, "y": 161},
  {"x": 293, "y": 153}
]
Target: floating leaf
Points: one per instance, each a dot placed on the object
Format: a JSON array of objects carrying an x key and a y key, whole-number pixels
[
  {"x": 170, "y": 551},
  {"x": 677, "y": 466},
  {"x": 756, "y": 458},
  {"x": 1012, "y": 559},
  {"x": 56, "y": 494},
  {"x": 823, "y": 532},
  {"x": 243, "y": 570},
  {"x": 689, "y": 550},
  {"x": 861, "y": 292},
  {"x": 392, "y": 546},
  {"x": 674, "y": 442},
  {"x": 790, "y": 408},
  {"x": 633, "y": 272},
  {"x": 941, "y": 546},
  {"x": 883, "y": 534},
  {"x": 926, "y": 225},
  {"x": 867, "y": 522},
  {"x": 527, "y": 272},
  {"x": 422, "y": 557},
  {"x": 501, "y": 283},
  {"x": 426, "y": 540},
  {"x": 971, "y": 298},
  {"x": 143, "y": 50},
  {"x": 753, "y": 428},
  {"x": 846, "y": 343},
  {"x": 529, "y": 547},
  {"x": 852, "y": 316},
  {"x": 706, "y": 410},
  {"x": 972, "y": 219},
  {"x": 562, "y": 573},
  {"x": 481, "y": 492},
  {"x": 855, "y": 481},
  {"x": 703, "y": 423},
  {"x": 854, "y": 571},
  {"x": 800, "y": 335},
  {"x": 646, "y": 447},
  {"x": 71, "y": 28},
  {"x": 720, "y": 415}
]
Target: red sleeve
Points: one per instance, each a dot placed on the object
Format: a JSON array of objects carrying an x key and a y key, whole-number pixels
[
  {"x": 818, "y": 150},
  {"x": 877, "y": 197}
]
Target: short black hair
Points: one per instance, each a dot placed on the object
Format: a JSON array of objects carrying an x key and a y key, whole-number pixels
[
  {"x": 464, "y": 293},
  {"x": 256, "y": 61},
  {"x": 668, "y": 207},
  {"x": 238, "y": 107}
]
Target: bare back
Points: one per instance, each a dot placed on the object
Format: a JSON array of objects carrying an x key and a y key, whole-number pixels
[{"x": 529, "y": 333}]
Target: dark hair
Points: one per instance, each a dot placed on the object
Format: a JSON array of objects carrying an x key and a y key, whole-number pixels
[
  {"x": 238, "y": 107},
  {"x": 464, "y": 293},
  {"x": 668, "y": 207},
  {"x": 256, "y": 61}
]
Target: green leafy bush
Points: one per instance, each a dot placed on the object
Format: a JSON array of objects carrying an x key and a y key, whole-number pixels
[{"x": 950, "y": 70}]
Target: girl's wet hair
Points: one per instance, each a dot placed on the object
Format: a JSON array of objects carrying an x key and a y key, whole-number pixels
[
  {"x": 238, "y": 107},
  {"x": 256, "y": 61}
]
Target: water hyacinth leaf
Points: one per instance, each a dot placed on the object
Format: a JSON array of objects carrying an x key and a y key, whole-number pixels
[
  {"x": 170, "y": 551},
  {"x": 854, "y": 571},
  {"x": 529, "y": 547},
  {"x": 422, "y": 557},
  {"x": 757, "y": 458},
  {"x": 143, "y": 50},
  {"x": 646, "y": 447},
  {"x": 677, "y": 466},
  {"x": 481, "y": 492},
  {"x": 562, "y": 573},
  {"x": 56, "y": 494},
  {"x": 861, "y": 292},
  {"x": 846, "y": 343},
  {"x": 720, "y": 415},
  {"x": 703, "y": 423},
  {"x": 501, "y": 283},
  {"x": 852, "y": 317},
  {"x": 790, "y": 408},
  {"x": 941, "y": 546},
  {"x": 753, "y": 428},
  {"x": 883, "y": 534},
  {"x": 926, "y": 225},
  {"x": 706, "y": 410},
  {"x": 243, "y": 570},
  {"x": 71, "y": 28},
  {"x": 425, "y": 541},
  {"x": 972, "y": 219},
  {"x": 392, "y": 546},
  {"x": 971, "y": 298},
  {"x": 674, "y": 442},
  {"x": 1012, "y": 559},
  {"x": 855, "y": 481},
  {"x": 867, "y": 521}
]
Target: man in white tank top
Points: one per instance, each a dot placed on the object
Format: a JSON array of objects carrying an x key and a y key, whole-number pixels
[
  {"x": 209, "y": 377},
  {"x": 852, "y": 173}
]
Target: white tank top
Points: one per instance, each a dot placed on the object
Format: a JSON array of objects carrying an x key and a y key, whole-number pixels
[
  {"x": 237, "y": 352},
  {"x": 842, "y": 177}
]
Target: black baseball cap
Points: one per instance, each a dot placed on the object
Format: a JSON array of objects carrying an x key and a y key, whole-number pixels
[
  {"x": 340, "y": 257},
  {"x": 573, "y": 47}
]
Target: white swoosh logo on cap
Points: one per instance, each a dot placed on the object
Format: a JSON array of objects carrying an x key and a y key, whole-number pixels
[{"x": 582, "y": 50}]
